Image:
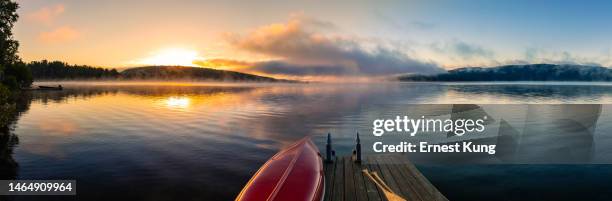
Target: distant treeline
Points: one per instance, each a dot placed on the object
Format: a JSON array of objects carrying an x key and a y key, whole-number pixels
[
  {"x": 54, "y": 70},
  {"x": 531, "y": 72},
  {"x": 57, "y": 70}
]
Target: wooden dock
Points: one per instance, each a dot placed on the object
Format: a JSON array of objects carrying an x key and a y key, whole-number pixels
[{"x": 345, "y": 180}]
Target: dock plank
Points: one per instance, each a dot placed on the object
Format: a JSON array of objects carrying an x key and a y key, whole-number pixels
[
  {"x": 329, "y": 179},
  {"x": 338, "y": 187},
  {"x": 346, "y": 181},
  {"x": 405, "y": 186},
  {"x": 415, "y": 184},
  {"x": 388, "y": 177},
  {"x": 349, "y": 181},
  {"x": 361, "y": 192},
  {"x": 374, "y": 193},
  {"x": 421, "y": 180}
]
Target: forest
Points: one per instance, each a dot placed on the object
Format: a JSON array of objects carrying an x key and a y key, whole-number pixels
[
  {"x": 57, "y": 70},
  {"x": 530, "y": 72}
]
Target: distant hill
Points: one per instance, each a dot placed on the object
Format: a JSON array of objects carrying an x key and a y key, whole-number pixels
[
  {"x": 58, "y": 70},
  {"x": 189, "y": 73},
  {"x": 531, "y": 72}
]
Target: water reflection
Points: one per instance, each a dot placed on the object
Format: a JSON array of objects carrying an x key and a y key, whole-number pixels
[
  {"x": 522, "y": 134},
  {"x": 209, "y": 140},
  {"x": 559, "y": 92},
  {"x": 8, "y": 165},
  {"x": 178, "y": 102},
  {"x": 8, "y": 139}
]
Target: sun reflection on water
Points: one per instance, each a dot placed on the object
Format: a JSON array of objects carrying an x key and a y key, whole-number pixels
[{"x": 178, "y": 102}]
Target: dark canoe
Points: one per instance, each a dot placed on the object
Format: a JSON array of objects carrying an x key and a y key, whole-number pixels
[{"x": 50, "y": 88}]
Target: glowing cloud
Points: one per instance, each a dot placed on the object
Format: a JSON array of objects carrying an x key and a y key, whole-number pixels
[
  {"x": 58, "y": 35},
  {"x": 46, "y": 15}
]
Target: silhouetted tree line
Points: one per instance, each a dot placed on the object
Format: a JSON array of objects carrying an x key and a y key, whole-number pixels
[
  {"x": 45, "y": 70},
  {"x": 14, "y": 74},
  {"x": 531, "y": 72}
]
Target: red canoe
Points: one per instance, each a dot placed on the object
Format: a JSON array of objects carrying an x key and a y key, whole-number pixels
[{"x": 295, "y": 173}]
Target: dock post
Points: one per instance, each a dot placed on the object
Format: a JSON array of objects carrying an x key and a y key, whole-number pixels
[
  {"x": 358, "y": 150},
  {"x": 329, "y": 152}
]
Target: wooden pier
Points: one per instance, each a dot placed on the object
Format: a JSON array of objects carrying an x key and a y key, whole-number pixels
[{"x": 345, "y": 180}]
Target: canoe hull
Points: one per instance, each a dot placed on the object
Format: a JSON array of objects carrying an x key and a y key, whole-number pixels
[
  {"x": 295, "y": 173},
  {"x": 49, "y": 88}
]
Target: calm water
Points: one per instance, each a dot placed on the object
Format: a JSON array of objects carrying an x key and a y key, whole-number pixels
[{"x": 204, "y": 141}]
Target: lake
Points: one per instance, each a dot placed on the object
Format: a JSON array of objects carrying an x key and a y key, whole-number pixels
[{"x": 203, "y": 141}]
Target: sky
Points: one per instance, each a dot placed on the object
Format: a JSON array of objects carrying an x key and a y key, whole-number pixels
[{"x": 316, "y": 38}]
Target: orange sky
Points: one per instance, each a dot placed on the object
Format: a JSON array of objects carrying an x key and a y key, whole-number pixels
[{"x": 307, "y": 38}]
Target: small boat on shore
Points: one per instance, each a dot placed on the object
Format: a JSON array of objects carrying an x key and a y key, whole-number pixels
[
  {"x": 295, "y": 173},
  {"x": 59, "y": 87}
]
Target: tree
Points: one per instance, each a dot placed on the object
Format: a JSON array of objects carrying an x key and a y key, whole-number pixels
[
  {"x": 53, "y": 70},
  {"x": 9, "y": 60},
  {"x": 13, "y": 72},
  {"x": 8, "y": 45},
  {"x": 21, "y": 72}
]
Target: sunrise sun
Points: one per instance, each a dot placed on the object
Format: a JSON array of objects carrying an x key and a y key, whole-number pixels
[{"x": 172, "y": 56}]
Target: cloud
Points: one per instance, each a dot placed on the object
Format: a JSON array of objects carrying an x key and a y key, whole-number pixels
[
  {"x": 58, "y": 35},
  {"x": 463, "y": 50},
  {"x": 466, "y": 50},
  {"x": 542, "y": 55},
  {"x": 272, "y": 67},
  {"x": 46, "y": 15},
  {"x": 284, "y": 68},
  {"x": 301, "y": 48},
  {"x": 534, "y": 55}
]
